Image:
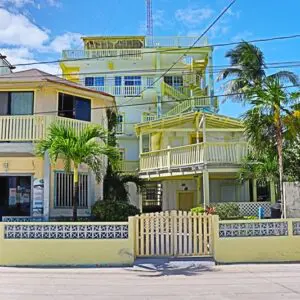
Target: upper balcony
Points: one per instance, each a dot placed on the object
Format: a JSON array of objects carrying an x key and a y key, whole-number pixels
[
  {"x": 113, "y": 50},
  {"x": 33, "y": 128},
  {"x": 192, "y": 158}
]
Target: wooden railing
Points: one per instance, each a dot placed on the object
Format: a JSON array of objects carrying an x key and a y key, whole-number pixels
[
  {"x": 130, "y": 166},
  {"x": 125, "y": 54},
  {"x": 221, "y": 152},
  {"x": 32, "y": 128},
  {"x": 179, "y": 93}
]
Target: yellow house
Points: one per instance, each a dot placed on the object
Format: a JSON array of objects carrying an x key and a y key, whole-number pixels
[
  {"x": 195, "y": 158},
  {"x": 29, "y": 102}
]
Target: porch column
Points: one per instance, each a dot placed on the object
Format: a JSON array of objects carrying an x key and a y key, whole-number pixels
[
  {"x": 198, "y": 190},
  {"x": 47, "y": 185},
  {"x": 205, "y": 188},
  {"x": 210, "y": 78},
  {"x": 140, "y": 144},
  {"x": 158, "y": 82},
  {"x": 254, "y": 190},
  {"x": 272, "y": 192}
]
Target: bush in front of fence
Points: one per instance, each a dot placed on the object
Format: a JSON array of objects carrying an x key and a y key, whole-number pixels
[{"x": 108, "y": 210}]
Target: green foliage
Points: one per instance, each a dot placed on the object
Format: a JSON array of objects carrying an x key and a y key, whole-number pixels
[
  {"x": 250, "y": 218},
  {"x": 115, "y": 211},
  {"x": 228, "y": 211},
  {"x": 198, "y": 210}
]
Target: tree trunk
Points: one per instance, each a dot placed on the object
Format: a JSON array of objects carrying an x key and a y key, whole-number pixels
[
  {"x": 279, "y": 141},
  {"x": 75, "y": 193}
]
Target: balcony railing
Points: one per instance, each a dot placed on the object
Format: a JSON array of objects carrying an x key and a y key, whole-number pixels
[
  {"x": 130, "y": 166},
  {"x": 174, "y": 41},
  {"x": 32, "y": 128},
  {"x": 129, "y": 90},
  {"x": 125, "y": 54},
  {"x": 221, "y": 153}
]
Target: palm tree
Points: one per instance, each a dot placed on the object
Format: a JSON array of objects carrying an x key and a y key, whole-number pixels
[
  {"x": 247, "y": 70},
  {"x": 74, "y": 149},
  {"x": 116, "y": 185},
  {"x": 265, "y": 122}
]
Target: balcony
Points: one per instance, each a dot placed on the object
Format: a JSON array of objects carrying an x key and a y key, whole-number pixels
[
  {"x": 174, "y": 41},
  {"x": 32, "y": 128},
  {"x": 167, "y": 160},
  {"x": 125, "y": 54},
  {"x": 130, "y": 166},
  {"x": 128, "y": 90}
]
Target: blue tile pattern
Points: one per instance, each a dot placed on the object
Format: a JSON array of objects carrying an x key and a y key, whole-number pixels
[
  {"x": 253, "y": 229},
  {"x": 22, "y": 219},
  {"x": 296, "y": 228},
  {"x": 44, "y": 231}
]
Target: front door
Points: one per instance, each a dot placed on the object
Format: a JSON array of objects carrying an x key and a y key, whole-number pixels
[{"x": 185, "y": 200}]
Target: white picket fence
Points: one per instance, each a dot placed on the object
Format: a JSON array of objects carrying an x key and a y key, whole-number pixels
[{"x": 173, "y": 234}]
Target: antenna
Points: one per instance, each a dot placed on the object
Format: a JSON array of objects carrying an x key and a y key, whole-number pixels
[{"x": 149, "y": 18}]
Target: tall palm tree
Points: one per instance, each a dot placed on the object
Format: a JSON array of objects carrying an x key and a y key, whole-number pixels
[
  {"x": 265, "y": 122},
  {"x": 247, "y": 70},
  {"x": 74, "y": 149}
]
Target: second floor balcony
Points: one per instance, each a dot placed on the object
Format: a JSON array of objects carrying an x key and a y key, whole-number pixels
[
  {"x": 33, "y": 128},
  {"x": 192, "y": 158}
]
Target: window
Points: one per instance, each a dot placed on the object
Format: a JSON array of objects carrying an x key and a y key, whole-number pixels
[
  {"x": 16, "y": 103},
  {"x": 152, "y": 197},
  {"x": 118, "y": 84},
  {"x": 120, "y": 124},
  {"x": 74, "y": 107},
  {"x": 94, "y": 81},
  {"x": 132, "y": 80},
  {"x": 89, "y": 81},
  {"x": 122, "y": 153},
  {"x": 63, "y": 183},
  {"x": 150, "y": 82},
  {"x": 175, "y": 81}
]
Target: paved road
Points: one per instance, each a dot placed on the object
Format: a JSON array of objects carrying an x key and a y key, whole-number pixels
[{"x": 154, "y": 279}]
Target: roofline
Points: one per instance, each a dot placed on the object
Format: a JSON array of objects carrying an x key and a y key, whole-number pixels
[
  {"x": 101, "y": 37},
  {"x": 9, "y": 65}
]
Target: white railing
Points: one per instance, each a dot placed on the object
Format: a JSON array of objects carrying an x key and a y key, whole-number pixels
[
  {"x": 130, "y": 90},
  {"x": 149, "y": 117},
  {"x": 125, "y": 54},
  {"x": 174, "y": 41},
  {"x": 227, "y": 153},
  {"x": 129, "y": 166},
  {"x": 32, "y": 128}
]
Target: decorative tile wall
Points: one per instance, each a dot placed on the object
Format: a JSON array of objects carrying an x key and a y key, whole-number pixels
[
  {"x": 44, "y": 231},
  {"x": 296, "y": 227},
  {"x": 22, "y": 219},
  {"x": 253, "y": 229}
]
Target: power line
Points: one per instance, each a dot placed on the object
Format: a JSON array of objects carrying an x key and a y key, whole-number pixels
[
  {"x": 216, "y": 69},
  {"x": 151, "y": 103},
  {"x": 293, "y": 36}
]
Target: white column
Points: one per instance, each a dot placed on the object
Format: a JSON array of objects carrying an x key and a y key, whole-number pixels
[
  {"x": 198, "y": 190},
  {"x": 205, "y": 188},
  {"x": 272, "y": 192},
  {"x": 47, "y": 186},
  {"x": 211, "y": 78}
]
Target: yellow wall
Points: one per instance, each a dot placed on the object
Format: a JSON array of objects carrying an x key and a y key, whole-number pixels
[
  {"x": 19, "y": 165},
  {"x": 256, "y": 249},
  {"x": 38, "y": 252}
]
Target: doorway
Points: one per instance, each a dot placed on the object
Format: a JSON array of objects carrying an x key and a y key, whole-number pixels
[
  {"x": 185, "y": 200},
  {"x": 15, "y": 196}
]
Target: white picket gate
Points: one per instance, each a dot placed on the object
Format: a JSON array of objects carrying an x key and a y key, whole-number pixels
[{"x": 173, "y": 233}]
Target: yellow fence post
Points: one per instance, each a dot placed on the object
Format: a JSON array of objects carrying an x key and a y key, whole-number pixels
[{"x": 215, "y": 235}]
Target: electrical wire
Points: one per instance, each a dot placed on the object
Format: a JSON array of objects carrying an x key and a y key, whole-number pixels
[{"x": 261, "y": 40}]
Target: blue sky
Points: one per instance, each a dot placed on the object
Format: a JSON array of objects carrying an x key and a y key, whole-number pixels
[{"x": 35, "y": 30}]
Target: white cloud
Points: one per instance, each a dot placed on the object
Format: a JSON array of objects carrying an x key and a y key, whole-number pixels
[
  {"x": 16, "y": 29},
  {"x": 67, "y": 40},
  {"x": 159, "y": 18},
  {"x": 16, "y": 3},
  {"x": 54, "y": 3},
  {"x": 192, "y": 17},
  {"x": 25, "y": 56},
  {"x": 244, "y": 35}
]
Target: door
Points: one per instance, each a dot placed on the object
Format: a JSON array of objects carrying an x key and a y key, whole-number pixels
[{"x": 185, "y": 200}]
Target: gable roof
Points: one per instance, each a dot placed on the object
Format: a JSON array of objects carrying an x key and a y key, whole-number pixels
[{"x": 36, "y": 75}]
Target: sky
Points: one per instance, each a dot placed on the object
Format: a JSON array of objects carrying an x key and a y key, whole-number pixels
[{"x": 38, "y": 30}]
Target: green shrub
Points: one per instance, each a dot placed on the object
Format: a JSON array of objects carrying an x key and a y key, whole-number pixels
[
  {"x": 108, "y": 210},
  {"x": 250, "y": 218},
  {"x": 228, "y": 211},
  {"x": 198, "y": 210}
]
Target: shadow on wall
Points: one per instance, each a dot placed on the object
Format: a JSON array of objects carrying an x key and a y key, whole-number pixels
[{"x": 172, "y": 267}]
